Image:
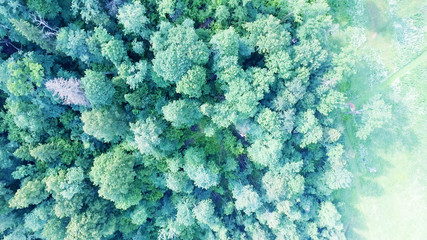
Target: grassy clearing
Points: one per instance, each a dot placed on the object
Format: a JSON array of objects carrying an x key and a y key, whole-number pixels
[{"x": 390, "y": 203}]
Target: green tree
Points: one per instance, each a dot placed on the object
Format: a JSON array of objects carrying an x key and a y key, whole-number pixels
[
  {"x": 239, "y": 92},
  {"x": 192, "y": 82},
  {"x": 176, "y": 50},
  {"x": 115, "y": 51},
  {"x": 329, "y": 218},
  {"x": 178, "y": 182},
  {"x": 182, "y": 113},
  {"x": 265, "y": 152},
  {"x": 68, "y": 188},
  {"x": 90, "y": 11},
  {"x": 65, "y": 184},
  {"x": 270, "y": 122},
  {"x": 165, "y": 7},
  {"x": 310, "y": 54},
  {"x": 184, "y": 213},
  {"x": 308, "y": 126},
  {"x": 132, "y": 17},
  {"x": 284, "y": 182},
  {"x": 375, "y": 114},
  {"x": 205, "y": 213},
  {"x": 31, "y": 193},
  {"x": 46, "y": 8},
  {"x": 330, "y": 101},
  {"x": 262, "y": 79},
  {"x": 107, "y": 124},
  {"x": 95, "y": 223},
  {"x": 268, "y": 34},
  {"x": 139, "y": 215},
  {"x": 222, "y": 14},
  {"x": 246, "y": 198},
  {"x": 226, "y": 42},
  {"x": 149, "y": 137},
  {"x": 23, "y": 114},
  {"x": 24, "y": 75},
  {"x": 204, "y": 175},
  {"x": 46, "y": 153},
  {"x": 37, "y": 218},
  {"x": 135, "y": 74},
  {"x": 280, "y": 63},
  {"x": 114, "y": 174},
  {"x": 5, "y": 195},
  {"x": 98, "y": 89},
  {"x": 337, "y": 177},
  {"x": 33, "y": 34},
  {"x": 71, "y": 40},
  {"x": 54, "y": 229}
]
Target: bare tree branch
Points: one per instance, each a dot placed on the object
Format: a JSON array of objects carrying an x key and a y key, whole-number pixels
[
  {"x": 7, "y": 42},
  {"x": 40, "y": 22}
]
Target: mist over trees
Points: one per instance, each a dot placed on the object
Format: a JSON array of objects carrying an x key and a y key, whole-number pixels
[{"x": 172, "y": 119}]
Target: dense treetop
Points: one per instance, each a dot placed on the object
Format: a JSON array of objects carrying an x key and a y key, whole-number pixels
[{"x": 173, "y": 119}]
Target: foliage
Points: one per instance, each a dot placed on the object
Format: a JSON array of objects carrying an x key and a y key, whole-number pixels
[
  {"x": 105, "y": 123},
  {"x": 134, "y": 21},
  {"x": 246, "y": 199},
  {"x": 174, "y": 119},
  {"x": 192, "y": 82},
  {"x": 29, "y": 194},
  {"x": 204, "y": 175},
  {"x": 90, "y": 11},
  {"x": 46, "y": 8},
  {"x": 116, "y": 167},
  {"x": 33, "y": 34},
  {"x": 98, "y": 90},
  {"x": 24, "y": 76},
  {"x": 72, "y": 41},
  {"x": 176, "y": 49},
  {"x": 182, "y": 113},
  {"x": 376, "y": 114}
]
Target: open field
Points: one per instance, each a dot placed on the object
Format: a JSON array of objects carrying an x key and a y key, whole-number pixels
[{"x": 391, "y": 202}]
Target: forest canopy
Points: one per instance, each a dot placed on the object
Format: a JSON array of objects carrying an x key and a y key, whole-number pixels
[{"x": 173, "y": 119}]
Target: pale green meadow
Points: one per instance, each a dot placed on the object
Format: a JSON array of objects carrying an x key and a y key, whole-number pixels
[{"x": 388, "y": 199}]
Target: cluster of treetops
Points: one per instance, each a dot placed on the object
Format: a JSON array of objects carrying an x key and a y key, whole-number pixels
[{"x": 172, "y": 119}]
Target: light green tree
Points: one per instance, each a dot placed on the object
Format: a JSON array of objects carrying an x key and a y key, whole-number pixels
[
  {"x": 205, "y": 213},
  {"x": 309, "y": 127},
  {"x": 182, "y": 113},
  {"x": 32, "y": 192},
  {"x": 24, "y": 75},
  {"x": 107, "y": 124},
  {"x": 98, "y": 89},
  {"x": 184, "y": 213},
  {"x": 114, "y": 174},
  {"x": 176, "y": 50},
  {"x": 247, "y": 199},
  {"x": 204, "y": 175},
  {"x": 132, "y": 17},
  {"x": 192, "y": 82},
  {"x": 375, "y": 114}
]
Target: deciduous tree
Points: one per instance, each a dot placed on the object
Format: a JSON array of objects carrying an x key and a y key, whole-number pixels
[
  {"x": 132, "y": 17},
  {"x": 113, "y": 173},
  {"x": 107, "y": 124},
  {"x": 182, "y": 113}
]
